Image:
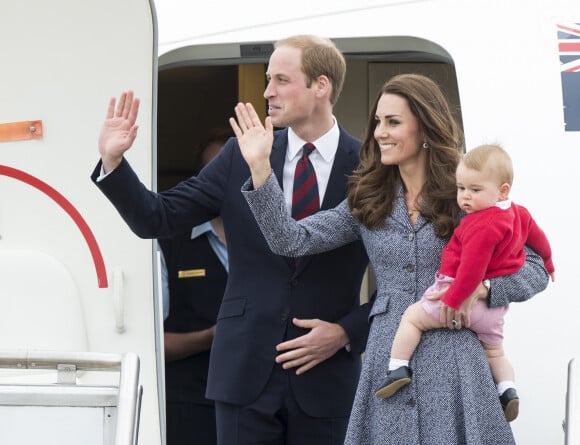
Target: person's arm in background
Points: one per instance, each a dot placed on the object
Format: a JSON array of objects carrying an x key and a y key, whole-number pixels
[
  {"x": 164, "y": 285},
  {"x": 179, "y": 345}
]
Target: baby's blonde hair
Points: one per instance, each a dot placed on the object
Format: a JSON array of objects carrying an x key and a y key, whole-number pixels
[{"x": 491, "y": 156}]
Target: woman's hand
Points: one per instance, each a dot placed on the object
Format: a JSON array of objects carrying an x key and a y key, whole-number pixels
[
  {"x": 456, "y": 319},
  {"x": 255, "y": 141}
]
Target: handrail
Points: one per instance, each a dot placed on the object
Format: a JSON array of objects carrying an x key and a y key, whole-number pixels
[
  {"x": 571, "y": 433},
  {"x": 84, "y": 361},
  {"x": 129, "y": 401},
  {"x": 129, "y": 391}
]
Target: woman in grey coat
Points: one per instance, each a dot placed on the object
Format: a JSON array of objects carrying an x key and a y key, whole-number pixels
[{"x": 401, "y": 204}]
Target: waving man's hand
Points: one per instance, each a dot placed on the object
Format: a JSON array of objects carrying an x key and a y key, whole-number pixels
[{"x": 119, "y": 130}]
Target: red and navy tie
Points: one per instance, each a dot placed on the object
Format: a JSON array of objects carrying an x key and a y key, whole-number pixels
[{"x": 305, "y": 200}]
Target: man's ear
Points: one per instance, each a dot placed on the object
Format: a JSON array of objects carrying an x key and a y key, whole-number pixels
[{"x": 323, "y": 86}]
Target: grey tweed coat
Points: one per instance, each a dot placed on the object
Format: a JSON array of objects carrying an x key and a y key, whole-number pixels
[{"x": 452, "y": 398}]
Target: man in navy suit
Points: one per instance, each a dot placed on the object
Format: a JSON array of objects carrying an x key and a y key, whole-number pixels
[
  {"x": 286, "y": 355},
  {"x": 194, "y": 276}
]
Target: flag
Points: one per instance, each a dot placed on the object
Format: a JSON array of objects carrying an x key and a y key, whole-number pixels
[{"x": 569, "y": 51}]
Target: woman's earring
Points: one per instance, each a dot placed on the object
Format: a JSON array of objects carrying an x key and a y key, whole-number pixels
[{"x": 425, "y": 145}]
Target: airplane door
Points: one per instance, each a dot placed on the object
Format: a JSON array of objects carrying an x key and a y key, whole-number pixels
[{"x": 79, "y": 278}]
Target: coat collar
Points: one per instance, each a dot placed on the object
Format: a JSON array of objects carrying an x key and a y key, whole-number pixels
[{"x": 400, "y": 212}]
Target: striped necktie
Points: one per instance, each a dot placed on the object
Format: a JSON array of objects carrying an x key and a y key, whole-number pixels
[{"x": 305, "y": 200}]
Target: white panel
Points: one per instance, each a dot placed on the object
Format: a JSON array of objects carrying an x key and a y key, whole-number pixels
[
  {"x": 51, "y": 425},
  {"x": 41, "y": 306},
  {"x": 62, "y": 61}
]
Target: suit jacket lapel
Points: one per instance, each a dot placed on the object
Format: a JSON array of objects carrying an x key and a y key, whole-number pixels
[
  {"x": 277, "y": 159},
  {"x": 278, "y": 155},
  {"x": 344, "y": 161}
]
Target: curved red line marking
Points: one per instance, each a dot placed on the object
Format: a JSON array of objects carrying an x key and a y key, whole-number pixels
[{"x": 73, "y": 213}]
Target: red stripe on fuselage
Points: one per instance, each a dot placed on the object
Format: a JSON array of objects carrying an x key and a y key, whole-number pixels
[{"x": 73, "y": 213}]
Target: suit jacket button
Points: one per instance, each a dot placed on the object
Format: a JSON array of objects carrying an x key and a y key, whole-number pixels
[
  {"x": 411, "y": 403},
  {"x": 294, "y": 282}
]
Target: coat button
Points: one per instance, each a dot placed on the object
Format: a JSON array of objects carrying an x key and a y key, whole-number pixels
[
  {"x": 294, "y": 282},
  {"x": 411, "y": 403},
  {"x": 410, "y": 236},
  {"x": 410, "y": 267}
]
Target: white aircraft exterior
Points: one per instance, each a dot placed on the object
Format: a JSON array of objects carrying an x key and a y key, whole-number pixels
[{"x": 73, "y": 277}]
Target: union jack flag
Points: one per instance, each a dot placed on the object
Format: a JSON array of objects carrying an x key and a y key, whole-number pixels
[{"x": 569, "y": 50}]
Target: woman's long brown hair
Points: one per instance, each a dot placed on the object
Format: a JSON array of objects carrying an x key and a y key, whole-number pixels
[{"x": 373, "y": 186}]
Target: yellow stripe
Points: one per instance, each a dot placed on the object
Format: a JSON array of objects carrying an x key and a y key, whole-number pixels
[{"x": 192, "y": 273}]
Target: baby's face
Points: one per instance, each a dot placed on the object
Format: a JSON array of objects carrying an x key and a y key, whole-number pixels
[{"x": 476, "y": 190}]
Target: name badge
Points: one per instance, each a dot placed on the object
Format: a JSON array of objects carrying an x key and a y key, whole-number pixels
[{"x": 191, "y": 273}]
